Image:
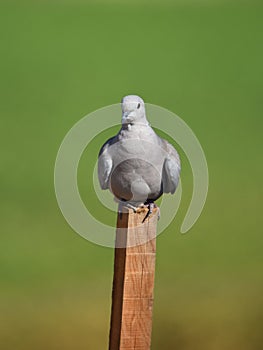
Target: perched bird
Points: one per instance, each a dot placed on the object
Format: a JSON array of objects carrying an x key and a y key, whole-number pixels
[{"x": 137, "y": 165}]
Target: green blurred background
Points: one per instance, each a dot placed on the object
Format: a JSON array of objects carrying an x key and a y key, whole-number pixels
[{"x": 61, "y": 60}]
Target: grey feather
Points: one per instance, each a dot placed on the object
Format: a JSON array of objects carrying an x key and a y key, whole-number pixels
[
  {"x": 171, "y": 169},
  {"x": 105, "y": 165},
  {"x": 136, "y": 164}
]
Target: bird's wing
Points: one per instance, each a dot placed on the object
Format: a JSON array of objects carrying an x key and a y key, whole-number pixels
[
  {"x": 105, "y": 164},
  {"x": 171, "y": 169}
]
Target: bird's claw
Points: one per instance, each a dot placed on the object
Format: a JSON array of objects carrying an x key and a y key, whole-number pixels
[
  {"x": 126, "y": 205},
  {"x": 137, "y": 209},
  {"x": 150, "y": 207}
]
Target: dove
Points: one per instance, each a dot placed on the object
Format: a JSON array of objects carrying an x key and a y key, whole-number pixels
[{"x": 137, "y": 165}]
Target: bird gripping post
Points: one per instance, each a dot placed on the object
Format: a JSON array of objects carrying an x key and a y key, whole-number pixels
[
  {"x": 137, "y": 166},
  {"x": 133, "y": 282}
]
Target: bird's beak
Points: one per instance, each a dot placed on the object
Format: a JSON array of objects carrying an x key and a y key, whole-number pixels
[{"x": 128, "y": 117}]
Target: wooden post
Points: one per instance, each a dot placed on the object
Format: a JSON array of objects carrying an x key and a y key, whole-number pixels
[{"x": 133, "y": 282}]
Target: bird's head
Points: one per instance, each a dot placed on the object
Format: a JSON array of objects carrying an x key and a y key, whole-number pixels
[{"x": 133, "y": 110}]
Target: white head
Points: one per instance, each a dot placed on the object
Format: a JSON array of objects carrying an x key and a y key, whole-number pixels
[{"x": 133, "y": 110}]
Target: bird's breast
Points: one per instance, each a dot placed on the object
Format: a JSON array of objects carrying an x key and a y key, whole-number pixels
[{"x": 137, "y": 167}]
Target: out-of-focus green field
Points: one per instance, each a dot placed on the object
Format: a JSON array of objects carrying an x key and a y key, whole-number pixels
[{"x": 61, "y": 60}]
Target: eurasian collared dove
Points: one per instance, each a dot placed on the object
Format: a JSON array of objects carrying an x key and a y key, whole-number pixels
[{"x": 137, "y": 165}]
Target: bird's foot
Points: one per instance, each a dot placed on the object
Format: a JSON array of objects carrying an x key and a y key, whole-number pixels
[
  {"x": 138, "y": 208},
  {"x": 128, "y": 205},
  {"x": 150, "y": 207}
]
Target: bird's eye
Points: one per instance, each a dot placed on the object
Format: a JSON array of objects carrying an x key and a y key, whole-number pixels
[{"x": 138, "y": 106}]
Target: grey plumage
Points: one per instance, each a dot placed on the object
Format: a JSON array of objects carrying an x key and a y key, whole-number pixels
[{"x": 136, "y": 165}]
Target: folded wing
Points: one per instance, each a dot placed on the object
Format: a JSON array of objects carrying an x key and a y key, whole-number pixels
[
  {"x": 171, "y": 169},
  {"x": 105, "y": 165}
]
